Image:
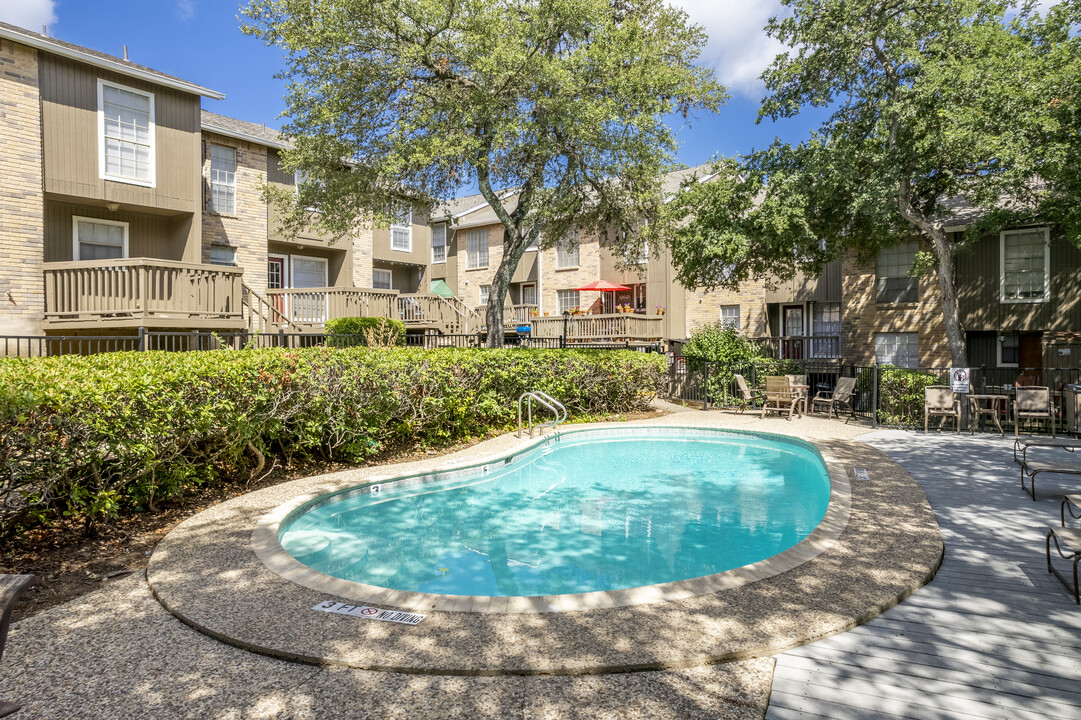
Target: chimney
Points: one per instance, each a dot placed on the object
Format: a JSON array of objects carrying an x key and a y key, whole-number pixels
[
  {"x": 125, "y": 52},
  {"x": 45, "y": 30}
]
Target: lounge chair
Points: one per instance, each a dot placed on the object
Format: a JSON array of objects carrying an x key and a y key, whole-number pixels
[
  {"x": 1070, "y": 503},
  {"x": 1033, "y": 403},
  {"x": 1032, "y": 468},
  {"x": 1024, "y": 443},
  {"x": 940, "y": 401},
  {"x": 11, "y": 586},
  {"x": 1068, "y": 546},
  {"x": 779, "y": 397},
  {"x": 746, "y": 395},
  {"x": 840, "y": 397}
]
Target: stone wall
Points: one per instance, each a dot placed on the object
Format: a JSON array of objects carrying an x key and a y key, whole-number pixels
[
  {"x": 862, "y": 316},
  {"x": 22, "y": 294}
]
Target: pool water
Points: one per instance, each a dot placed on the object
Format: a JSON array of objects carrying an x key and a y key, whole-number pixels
[{"x": 584, "y": 511}]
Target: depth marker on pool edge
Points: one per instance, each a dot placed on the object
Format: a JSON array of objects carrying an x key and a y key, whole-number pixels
[{"x": 369, "y": 613}]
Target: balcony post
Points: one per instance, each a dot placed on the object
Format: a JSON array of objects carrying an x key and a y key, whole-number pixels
[{"x": 142, "y": 339}]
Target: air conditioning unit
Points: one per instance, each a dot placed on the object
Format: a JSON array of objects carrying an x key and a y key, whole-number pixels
[{"x": 1071, "y": 394}]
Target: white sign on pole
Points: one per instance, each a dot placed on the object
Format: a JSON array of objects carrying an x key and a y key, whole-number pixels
[{"x": 959, "y": 380}]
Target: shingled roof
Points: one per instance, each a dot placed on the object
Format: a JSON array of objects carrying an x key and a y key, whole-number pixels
[
  {"x": 102, "y": 60},
  {"x": 242, "y": 129}
]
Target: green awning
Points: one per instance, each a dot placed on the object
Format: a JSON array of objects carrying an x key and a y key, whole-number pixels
[{"x": 440, "y": 288}]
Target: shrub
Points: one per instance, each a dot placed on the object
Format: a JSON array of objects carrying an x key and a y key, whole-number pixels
[
  {"x": 727, "y": 352},
  {"x": 719, "y": 343},
  {"x": 92, "y": 436},
  {"x": 353, "y": 331},
  {"x": 900, "y": 393}
]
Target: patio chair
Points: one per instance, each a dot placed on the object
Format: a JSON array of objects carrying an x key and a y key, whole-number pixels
[
  {"x": 1032, "y": 468},
  {"x": 1072, "y": 505},
  {"x": 746, "y": 395},
  {"x": 11, "y": 586},
  {"x": 1068, "y": 546},
  {"x": 779, "y": 397},
  {"x": 794, "y": 380},
  {"x": 940, "y": 401},
  {"x": 1033, "y": 403},
  {"x": 840, "y": 397}
]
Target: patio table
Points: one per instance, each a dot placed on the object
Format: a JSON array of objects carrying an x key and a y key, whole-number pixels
[{"x": 977, "y": 410}]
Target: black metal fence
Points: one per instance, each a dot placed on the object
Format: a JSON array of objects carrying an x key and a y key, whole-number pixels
[
  {"x": 884, "y": 395},
  {"x": 144, "y": 340}
]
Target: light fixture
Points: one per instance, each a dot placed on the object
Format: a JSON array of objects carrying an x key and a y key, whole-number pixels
[{"x": 112, "y": 206}]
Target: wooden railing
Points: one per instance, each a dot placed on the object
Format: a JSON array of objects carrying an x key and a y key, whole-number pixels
[
  {"x": 797, "y": 347},
  {"x": 519, "y": 314},
  {"x": 588, "y": 328},
  {"x": 433, "y": 311},
  {"x": 314, "y": 306},
  {"x": 132, "y": 292}
]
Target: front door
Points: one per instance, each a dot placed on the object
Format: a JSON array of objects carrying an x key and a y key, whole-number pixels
[
  {"x": 793, "y": 329},
  {"x": 275, "y": 280},
  {"x": 1030, "y": 358},
  {"x": 529, "y": 294}
]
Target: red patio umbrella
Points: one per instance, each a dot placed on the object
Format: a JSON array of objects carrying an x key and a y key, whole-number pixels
[{"x": 603, "y": 286}]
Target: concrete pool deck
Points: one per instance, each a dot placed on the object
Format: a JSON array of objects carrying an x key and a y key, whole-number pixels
[
  {"x": 207, "y": 574},
  {"x": 117, "y": 653}
]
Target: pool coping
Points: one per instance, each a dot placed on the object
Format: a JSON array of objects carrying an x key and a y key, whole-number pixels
[
  {"x": 206, "y": 573},
  {"x": 267, "y": 547}
]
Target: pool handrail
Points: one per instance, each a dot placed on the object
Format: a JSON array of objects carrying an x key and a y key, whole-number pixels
[{"x": 545, "y": 400}]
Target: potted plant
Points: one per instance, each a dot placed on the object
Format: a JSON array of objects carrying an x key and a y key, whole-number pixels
[
  {"x": 534, "y": 312},
  {"x": 660, "y": 310}
]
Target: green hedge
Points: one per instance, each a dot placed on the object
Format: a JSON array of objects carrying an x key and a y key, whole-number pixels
[
  {"x": 352, "y": 331},
  {"x": 92, "y": 436}
]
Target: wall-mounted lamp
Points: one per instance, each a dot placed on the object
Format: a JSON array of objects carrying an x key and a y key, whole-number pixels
[{"x": 112, "y": 207}]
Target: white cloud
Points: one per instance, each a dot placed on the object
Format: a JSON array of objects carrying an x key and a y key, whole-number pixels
[
  {"x": 738, "y": 46},
  {"x": 29, "y": 14},
  {"x": 185, "y": 9}
]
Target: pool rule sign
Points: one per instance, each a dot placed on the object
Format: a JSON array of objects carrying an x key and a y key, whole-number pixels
[
  {"x": 369, "y": 613},
  {"x": 959, "y": 380}
]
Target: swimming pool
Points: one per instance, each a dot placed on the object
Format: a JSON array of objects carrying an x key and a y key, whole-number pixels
[{"x": 581, "y": 511}]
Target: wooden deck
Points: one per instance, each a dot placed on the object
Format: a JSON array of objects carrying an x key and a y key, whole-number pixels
[{"x": 992, "y": 636}]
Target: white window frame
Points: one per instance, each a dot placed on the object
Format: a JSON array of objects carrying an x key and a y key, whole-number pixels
[
  {"x": 152, "y": 136},
  {"x": 559, "y": 300},
  {"x": 236, "y": 163},
  {"x": 998, "y": 347},
  {"x": 484, "y": 244},
  {"x": 76, "y": 219},
  {"x": 483, "y": 293},
  {"x": 222, "y": 247},
  {"x": 389, "y": 275},
  {"x": 1046, "y": 266},
  {"x": 292, "y": 269},
  {"x": 563, "y": 251},
  {"x": 408, "y": 227},
  {"x": 727, "y": 322},
  {"x": 443, "y": 227}
]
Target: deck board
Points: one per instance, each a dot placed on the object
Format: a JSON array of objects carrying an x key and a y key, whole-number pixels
[{"x": 994, "y": 635}]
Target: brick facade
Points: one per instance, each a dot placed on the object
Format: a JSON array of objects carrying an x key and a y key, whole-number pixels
[
  {"x": 554, "y": 279},
  {"x": 246, "y": 229},
  {"x": 703, "y": 307},
  {"x": 862, "y": 316},
  {"x": 362, "y": 249},
  {"x": 22, "y": 298}
]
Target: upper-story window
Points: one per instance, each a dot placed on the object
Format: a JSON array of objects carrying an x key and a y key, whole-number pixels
[
  {"x": 401, "y": 230},
  {"x": 476, "y": 249},
  {"x": 1025, "y": 258},
  {"x": 439, "y": 243},
  {"x": 99, "y": 239},
  {"x": 223, "y": 179},
  {"x": 567, "y": 251},
  {"x": 893, "y": 269},
  {"x": 125, "y": 134},
  {"x": 222, "y": 255}
]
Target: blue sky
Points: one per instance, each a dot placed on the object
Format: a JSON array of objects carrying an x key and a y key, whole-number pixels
[{"x": 200, "y": 41}]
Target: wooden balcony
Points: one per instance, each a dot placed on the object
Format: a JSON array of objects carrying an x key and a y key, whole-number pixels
[
  {"x": 309, "y": 309},
  {"x": 141, "y": 292},
  {"x": 620, "y": 327}
]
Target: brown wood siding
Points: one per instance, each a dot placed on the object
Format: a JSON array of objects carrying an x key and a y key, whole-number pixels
[
  {"x": 448, "y": 271},
  {"x": 274, "y": 171},
  {"x": 421, "y": 254},
  {"x": 824, "y": 288},
  {"x": 151, "y": 236},
  {"x": 69, "y": 97},
  {"x": 978, "y": 291}
]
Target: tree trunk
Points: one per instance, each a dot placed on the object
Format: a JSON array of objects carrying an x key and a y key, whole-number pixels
[
  {"x": 950, "y": 315},
  {"x": 513, "y": 248}
]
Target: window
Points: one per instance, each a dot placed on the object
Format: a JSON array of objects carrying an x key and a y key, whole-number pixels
[
  {"x": 476, "y": 249},
  {"x": 1025, "y": 256},
  {"x": 730, "y": 316},
  {"x": 826, "y": 319},
  {"x": 222, "y": 255},
  {"x": 125, "y": 134},
  {"x": 439, "y": 243},
  {"x": 223, "y": 179},
  {"x": 643, "y": 258},
  {"x": 899, "y": 349},
  {"x": 1009, "y": 350},
  {"x": 401, "y": 230},
  {"x": 895, "y": 284},
  {"x": 485, "y": 290},
  {"x": 381, "y": 279},
  {"x": 567, "y": 251},
  {"x": 307, "y": 272},
  {"x": 568, "y": 300},
  {"x": 99, "y": 239}
]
